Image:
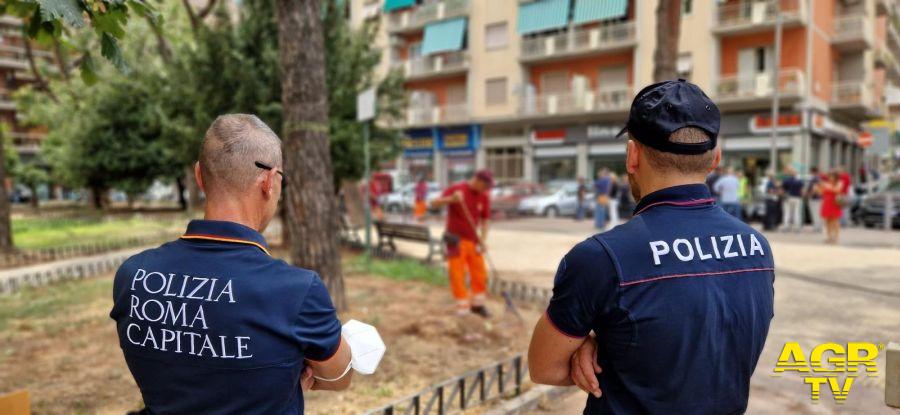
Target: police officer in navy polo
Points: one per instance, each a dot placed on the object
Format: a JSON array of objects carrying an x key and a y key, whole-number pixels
[
  {"x": 667, "y": 313},
  {"x": 211, "y": 323}
]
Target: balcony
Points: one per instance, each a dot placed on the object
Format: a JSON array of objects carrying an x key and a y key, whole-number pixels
[
  {"x": 756, "y": 16},
  {"x": 6, "y": 100},
  {"x": 854, "y": 98},
  {"x": 579, "y": 42},
  {"x": 436, "y": 115},
  {"x": 735, "y": 92},
  {"x": 410, "y": 20},
  {"x": 431, "y": 66},
  {"x": 884, "y": 58},
  {"x": 27, "y": 143},
  {"x": 14, "y": 57},
  {"x": 850, "y": 33},
  {"x": 609, "y": 100}
]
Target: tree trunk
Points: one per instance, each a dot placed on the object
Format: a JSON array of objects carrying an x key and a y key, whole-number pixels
[
  {"x": 311, "y": 205},
  {"x": 35, "y": 203},
  {"x": 193, "y": 190},
  {"x": 180, "y": 188},
  {"x": 6, "y": 241},
  {"x": 668, "y": 28},
  {"x": 97, "y": 198}
]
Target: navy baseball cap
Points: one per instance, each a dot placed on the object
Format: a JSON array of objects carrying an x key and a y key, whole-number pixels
[{"x": 665, "y": 107}]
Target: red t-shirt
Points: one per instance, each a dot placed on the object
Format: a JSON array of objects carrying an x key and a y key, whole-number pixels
[
  {"x": 479, "y": 205},
  {"x": 845, "y": 182}
]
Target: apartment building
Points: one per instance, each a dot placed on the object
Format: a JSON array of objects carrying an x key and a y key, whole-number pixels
[
  {"x": 15, "y": 72},
  {"x": 536, "y": 90}
]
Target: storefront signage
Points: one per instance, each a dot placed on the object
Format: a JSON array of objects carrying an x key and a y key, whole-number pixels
[
  {"x": 592, "y": 132},
  {"x": 457, "y": 140},
  {"x": 418, "y": 143},
  {"x": 786, "y": 122},
  {"x": 548, "y": 136}
]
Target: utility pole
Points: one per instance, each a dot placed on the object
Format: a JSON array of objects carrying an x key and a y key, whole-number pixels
[
  {"x": 773, "y": 151},
  {"x": 365, "y": 113}
]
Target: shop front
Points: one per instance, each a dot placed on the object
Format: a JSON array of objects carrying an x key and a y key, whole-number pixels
[
  {"x": 604, "y": 149},
  {"x": 458, "y": 146},
  {"x": 554, "y": 159},
  {"x": 418, "y": 154}
]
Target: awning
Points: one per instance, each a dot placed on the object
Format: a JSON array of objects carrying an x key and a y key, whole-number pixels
[
  {"x": 443, "y": 36},
  {"x": 390, "y": 5},
  {"x": 543, "y": 15},
  {"x": 599, "y": 10}
]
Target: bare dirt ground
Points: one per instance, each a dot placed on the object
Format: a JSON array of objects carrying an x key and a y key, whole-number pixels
[{"x": 69, "y": 358}]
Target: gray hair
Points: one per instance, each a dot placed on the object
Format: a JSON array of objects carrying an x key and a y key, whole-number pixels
[{"x": 232, "y": 145}]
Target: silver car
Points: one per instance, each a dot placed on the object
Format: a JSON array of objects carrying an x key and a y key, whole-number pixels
[{"x": 559, "y": 199}]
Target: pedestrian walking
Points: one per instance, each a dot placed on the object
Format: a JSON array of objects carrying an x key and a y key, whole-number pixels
[
  {"x": 772, "y": 191},
  {"x": 614, "y": 196},
  {"x": 814, "y": 198},
  {"x": 846, "y": 188},
  {"x": 421, "y": 194},
  {"x": 468, "y": 210},
  {"x": 792, "y": 204},
  {"x": 581, "y": 201},
  {"x": 728, "y": 187},
  {"x": 602, "y": 188},
  {"x": 832, "y": 188},
  {"x": 664, "y": 314},
  {"x": 711, "y": 180}
]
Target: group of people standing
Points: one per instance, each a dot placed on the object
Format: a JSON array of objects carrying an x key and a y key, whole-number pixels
[
  {"x": 787, "y": 197},
  {"x": 613, "y": 200}
]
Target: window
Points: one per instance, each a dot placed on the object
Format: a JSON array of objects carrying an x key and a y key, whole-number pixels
[
  {"x": 506, "y": 163},
  {"x": 687, "y": 6},
  {"x": 555, "y": 82},
  {"x": 495, "y": 91},
  {"x": 496, "y": 36},
  {"x": 760, "y": 59}
]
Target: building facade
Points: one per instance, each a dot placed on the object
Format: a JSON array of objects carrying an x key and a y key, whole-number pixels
[
  {"x": 536, "y": 90},
  {"x": 15, "y": 72}
]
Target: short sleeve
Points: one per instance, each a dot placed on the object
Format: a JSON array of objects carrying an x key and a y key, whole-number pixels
[
  {"x": 448, "y": 191},
  {"x": 318, "y": 328},
  {"x": 583, "y": 290}
]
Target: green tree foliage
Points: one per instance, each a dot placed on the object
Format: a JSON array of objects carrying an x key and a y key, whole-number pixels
[
  {"x": 350, "y": 62},
  {"x": 50, "y": 21}
]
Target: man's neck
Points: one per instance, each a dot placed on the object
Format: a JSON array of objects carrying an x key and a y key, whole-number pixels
[
  {"x": 231, "y": 211},
  {"x": 659, "y": 183}
]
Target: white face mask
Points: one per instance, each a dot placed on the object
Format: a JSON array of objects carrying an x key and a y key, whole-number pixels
[{"x": 366, "y": 346}]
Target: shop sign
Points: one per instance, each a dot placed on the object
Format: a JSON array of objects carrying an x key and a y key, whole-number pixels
[
  {"x": 762, "y": 123},
  {"x": 418, "y": 143},
  {"x": 457, "y": 140},
  {"x": 548, "y": 136}
]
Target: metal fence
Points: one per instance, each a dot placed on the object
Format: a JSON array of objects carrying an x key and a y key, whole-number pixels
[{"x": 500, "y": 379}]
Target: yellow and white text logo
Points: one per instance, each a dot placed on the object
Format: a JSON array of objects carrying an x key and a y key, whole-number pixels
[{"x": 830, "y": 365}]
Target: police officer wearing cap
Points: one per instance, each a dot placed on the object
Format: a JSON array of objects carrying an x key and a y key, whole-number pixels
[
  {"x": 211, "y": 323},
  {"x": 667, "y": 313}
]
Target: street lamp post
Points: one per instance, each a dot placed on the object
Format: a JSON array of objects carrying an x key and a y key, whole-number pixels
[{"x": 773, "y": 151}]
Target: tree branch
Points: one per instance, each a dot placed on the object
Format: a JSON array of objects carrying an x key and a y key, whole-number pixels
[
  {"x": 206, "y": 10},
  {"x": 165, "y": 52},
  {"x": 39, "y": 79},
  {"x": 193, "y": 17},
  {"x": 61, "y": 60}
]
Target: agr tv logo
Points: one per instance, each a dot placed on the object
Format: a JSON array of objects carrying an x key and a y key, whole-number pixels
[{"x": 826, "y": 362}]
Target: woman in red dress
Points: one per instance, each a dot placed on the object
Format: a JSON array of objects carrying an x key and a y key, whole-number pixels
[{"x": 831, "y": 189}]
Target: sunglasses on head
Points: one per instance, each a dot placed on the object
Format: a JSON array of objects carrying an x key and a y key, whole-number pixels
[{"x": 265, "y": 166}]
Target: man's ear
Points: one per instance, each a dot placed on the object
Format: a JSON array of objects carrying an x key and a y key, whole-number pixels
[
  {"x": 717, "y": 159},
  {"x": 198, "y": 177},
  {"x": 632, "y": 156},
  {"x": 268, "y": 182}
]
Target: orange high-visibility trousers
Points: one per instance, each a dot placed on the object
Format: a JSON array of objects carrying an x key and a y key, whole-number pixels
[
  {"x": 468, "y": 256},
  {"x": 420, "y": 209}
]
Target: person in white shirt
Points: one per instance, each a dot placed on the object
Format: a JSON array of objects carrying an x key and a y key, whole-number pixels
[{"x": 728, "y": 188}]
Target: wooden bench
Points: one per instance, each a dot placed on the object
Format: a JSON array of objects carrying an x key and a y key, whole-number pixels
[{"x": 387, "y": 231}]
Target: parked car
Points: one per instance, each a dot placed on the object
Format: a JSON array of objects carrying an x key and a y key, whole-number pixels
[
  {"x": 559, "y": 199},
  {"x": 505, "y": 199},
  {"x": 403, "y": 199},
  {"x": 872, "y": 207}
]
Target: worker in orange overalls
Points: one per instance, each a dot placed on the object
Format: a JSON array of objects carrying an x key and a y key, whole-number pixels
[
  {"x": 468, "y": 206},
  {"x": 421, "y": 195}
]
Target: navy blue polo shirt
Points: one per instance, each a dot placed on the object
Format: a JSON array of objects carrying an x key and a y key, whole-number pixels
[
  {"x": 680, "y": 298},
  {"x": 211, "y": 324}
]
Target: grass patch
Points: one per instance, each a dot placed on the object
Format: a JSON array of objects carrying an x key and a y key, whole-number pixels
[
  {"x": 36, "y": 233},
  {"x": 52, "y": 300},
  {"x": 397, "y": 269}
]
